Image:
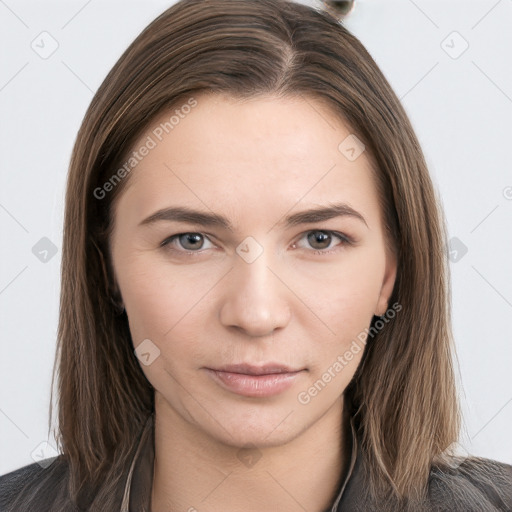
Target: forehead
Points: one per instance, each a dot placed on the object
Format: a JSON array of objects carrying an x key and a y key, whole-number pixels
[{"x": 265, "y": 154}]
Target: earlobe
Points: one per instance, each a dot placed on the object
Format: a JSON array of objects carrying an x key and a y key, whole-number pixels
[
  {"x": 388, "y": 285},
  {"x": 118, "y": 305},
  {"x": 112, "y": 290},
  {"x": 116, "y": 298}
]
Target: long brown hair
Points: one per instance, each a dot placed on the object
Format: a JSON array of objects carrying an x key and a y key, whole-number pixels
[{"x": 404, "y": 393}]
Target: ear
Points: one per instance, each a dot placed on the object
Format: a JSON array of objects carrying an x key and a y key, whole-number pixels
[
  {"x": 388, "y": 284},
  {"x": 115, "y": 292},
  {"x": 112, "y": 291},
  {"x": 116, "y": 296}
]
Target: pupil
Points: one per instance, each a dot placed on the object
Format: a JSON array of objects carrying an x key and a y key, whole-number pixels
[
  {"x": 188, "y": 237},
  {"x": 320, "y": 237}
]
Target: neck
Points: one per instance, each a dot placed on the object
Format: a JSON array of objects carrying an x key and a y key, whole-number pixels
[{"x": 194, "y": 472}]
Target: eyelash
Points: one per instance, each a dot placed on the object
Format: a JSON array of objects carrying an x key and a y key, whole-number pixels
[{"x": 343, "y": 238}]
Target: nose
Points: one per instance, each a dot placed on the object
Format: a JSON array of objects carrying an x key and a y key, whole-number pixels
[{"x": 255, "y": 298}]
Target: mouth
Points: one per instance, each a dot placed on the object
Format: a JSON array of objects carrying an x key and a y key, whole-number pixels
[
  {"x": 255, "y": 381},
  {"x": 265, "y": 369}
]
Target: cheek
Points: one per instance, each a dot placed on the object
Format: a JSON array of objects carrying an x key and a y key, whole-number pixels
[
  {"x": 150, "y": 298},
  {"x": 343, "y": 294},
  {"x": 167, "y": 316},
  {"x": 346, "y": 305},
  {"x": 165, "y": 305}
]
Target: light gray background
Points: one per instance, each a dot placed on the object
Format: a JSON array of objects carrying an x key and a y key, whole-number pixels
[{"x": 460, "y": 105}]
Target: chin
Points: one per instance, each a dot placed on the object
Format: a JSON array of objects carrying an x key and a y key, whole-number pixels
[{"x": 256, "y": 428}]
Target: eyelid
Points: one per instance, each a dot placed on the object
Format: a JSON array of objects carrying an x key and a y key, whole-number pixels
[
  {"x": 170, "y": 239},
  {"x": 344, "y": 239}
]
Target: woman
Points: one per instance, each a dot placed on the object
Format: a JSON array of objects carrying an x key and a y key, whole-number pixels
[{"x": 254, "y": 307}]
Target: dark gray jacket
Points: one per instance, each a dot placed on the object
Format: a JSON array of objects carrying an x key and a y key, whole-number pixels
[{"x": 476, "y": 485}]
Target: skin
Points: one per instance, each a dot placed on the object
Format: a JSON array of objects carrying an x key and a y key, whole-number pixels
[{"x": 255, "y": 162}]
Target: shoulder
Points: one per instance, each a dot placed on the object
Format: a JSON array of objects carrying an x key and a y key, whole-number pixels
[
  {"x": 471, "y": 484},
  {"x": 40, "y": 486}
]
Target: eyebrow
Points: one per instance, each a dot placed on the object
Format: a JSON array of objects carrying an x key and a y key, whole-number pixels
[{"x": 185, "y": 214}]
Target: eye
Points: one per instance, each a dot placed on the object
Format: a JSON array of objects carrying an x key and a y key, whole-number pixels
[
  {"x": 321, "y": 240},
  {"x": 191, "y": 242}
]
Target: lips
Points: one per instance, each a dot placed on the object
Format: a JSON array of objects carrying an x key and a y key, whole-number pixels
[
  {"x": 255, "y": 381},
  {"x": 248, "y": 369}
]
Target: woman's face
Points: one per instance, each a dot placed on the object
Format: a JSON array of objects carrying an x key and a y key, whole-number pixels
[{"x": 268, "y": 285}]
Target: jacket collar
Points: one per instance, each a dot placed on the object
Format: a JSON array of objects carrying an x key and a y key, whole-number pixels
[{"x": 139, "y": 482}]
